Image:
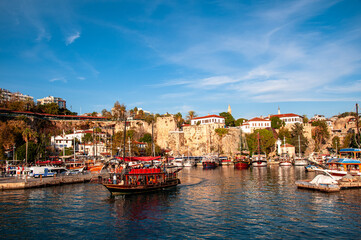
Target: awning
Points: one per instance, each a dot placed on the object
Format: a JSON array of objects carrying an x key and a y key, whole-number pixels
[{"x": 144, "y": 159}]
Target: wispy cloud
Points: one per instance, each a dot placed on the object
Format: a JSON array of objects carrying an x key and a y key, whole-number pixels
[
  {"x": 60, "y": 79},
  {"x": 81, "y": 78},
  {"x": 70, "y": 39}
]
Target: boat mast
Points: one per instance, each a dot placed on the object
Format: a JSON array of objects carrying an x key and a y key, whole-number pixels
[
  {"x": 299, "y": 146},
  {"x": 284, "y": 144},
  {"x": 357, "y": 127},
  {"x": 259, "y": 150},
  {"x": 74, "y": 147}
]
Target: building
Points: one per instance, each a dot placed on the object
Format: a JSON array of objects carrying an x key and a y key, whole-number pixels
[
  {"x": 318, "y": 117},
  {"x": 61, "y": 102},
  {"x": 255, "y": 123},
  {"x": 67, "y": 140},
  {"x": 6, "y": 95},
  {"x": 287, "y": 148},
  {"x": 229, "y": 109},
  {"x": 98, "y": 149},
  {"x": 289, "y": 118},
  {"x": 210, "y": 119}
]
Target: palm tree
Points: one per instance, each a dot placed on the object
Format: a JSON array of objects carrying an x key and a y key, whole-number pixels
[
  {"x": 28, "y": 134},
  {"x": 179, "y": 119},
  {"x": 191, "y": 115}
]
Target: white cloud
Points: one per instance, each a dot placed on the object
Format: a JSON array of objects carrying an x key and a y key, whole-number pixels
[
  {"x": 69, "y": 40},
  {"x": 81, "y": 78},
  {"x": 61, "y": 79}
]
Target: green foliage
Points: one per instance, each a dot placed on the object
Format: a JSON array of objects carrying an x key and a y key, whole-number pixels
[
  {"x": 32, "y": 152},
  {"x": 267, "y": 141},
  {"x": 336, "y": 143},
  {"x": 146, "y": 138},
  {"x": 221, "y": 132},
  {"x": 149, "y": 119},
  {"x": 88, "y": 137},
  {"x": 346, "y": 114},
  {"x": 130, "y": 134},
  {"x": 297, "y": 134},
  {"x": 179, "y": 119},
  {"x": 229, "y": 120},
  {"x": 305, "y": 119},
  {"x": 284, "y": 133},
  {"x": 240, "y": 121},
  {"x": 276, "y": 122},
  {"x": 191, "y": 115},
  {"x": 68, "y": 151},
  {"x": 320, "y": 133}
]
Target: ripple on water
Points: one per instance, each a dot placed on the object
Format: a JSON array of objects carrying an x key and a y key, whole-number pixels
[{"x": 216, "y": 204}]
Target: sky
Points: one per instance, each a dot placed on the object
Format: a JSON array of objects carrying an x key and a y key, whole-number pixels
[{"x": 303, "y": 56}]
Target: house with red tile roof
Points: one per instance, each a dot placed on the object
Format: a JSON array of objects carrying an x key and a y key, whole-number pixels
[
  {"x": 255, "y": 123},
  {"x": 289, "y": 118},
  {"x": 210, "y": 119}
]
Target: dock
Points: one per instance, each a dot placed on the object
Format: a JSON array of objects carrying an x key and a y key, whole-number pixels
[
  {"x": 328, "y": 187},
  {"x": 16, "y": 183}
]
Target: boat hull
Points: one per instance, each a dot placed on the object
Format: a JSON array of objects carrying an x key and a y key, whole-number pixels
[
  {"x": 116, "y": 189},
  {"x": 241, "y": 165},
  {"x": 285, "y": 164},
  {"x": 259, "y": 164},
  {"x": 209, "y": 165}
]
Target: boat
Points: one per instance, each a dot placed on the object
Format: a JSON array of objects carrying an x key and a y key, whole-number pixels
[
  {"x": 299, "y": 160},
  {"x": 210, "y": 162},
  {"x": 259, "y": 160},
  {"x": 241, "y": 162},
  {"x": 312, "y": 168},
  {"x": 178, "y": 161},
  {"x": 347, "y": 163},
  {"x": 189, "y": 163},
  {"x": 285, "y": 161},
  {"x": 224, "y": 161},
  {"x": 141, "y": 180},
  {"x": 322, "y": 182}
]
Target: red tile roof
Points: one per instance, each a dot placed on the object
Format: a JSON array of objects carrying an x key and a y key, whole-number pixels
[
  {"x": 285, "y": 115},
  {"x": 257, "y": 119},
  {"x": 209, "y": 116},
  {"x": 287, "y": 145}
]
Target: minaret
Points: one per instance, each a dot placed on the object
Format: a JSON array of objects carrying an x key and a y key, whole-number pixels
[
  {"x": 279, "y": 110},
  {"x": 229, "y": 109}
]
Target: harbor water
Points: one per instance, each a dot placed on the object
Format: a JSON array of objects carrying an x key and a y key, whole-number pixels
[{"x": 224, "y": 203}]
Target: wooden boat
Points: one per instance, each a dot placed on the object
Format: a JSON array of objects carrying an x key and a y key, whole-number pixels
[
  {"x": 142, "y": 180},
  {"x": 285, "y": 161},
  {"x": 241, "y": 162},
  {"x": 299, "y": 161},
  {"x": 259, "y": 160},
  {"x": 210, "y": 162}
]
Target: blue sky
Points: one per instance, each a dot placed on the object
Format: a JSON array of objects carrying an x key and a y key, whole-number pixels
[{"x": 177, "y": 56}]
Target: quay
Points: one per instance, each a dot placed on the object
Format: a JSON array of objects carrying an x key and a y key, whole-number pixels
[{"x": 16, "y": 183}]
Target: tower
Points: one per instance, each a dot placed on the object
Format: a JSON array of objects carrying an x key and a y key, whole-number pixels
[
  {"x": 229, "y": 109},
  {"x": 279, "y": 110}
]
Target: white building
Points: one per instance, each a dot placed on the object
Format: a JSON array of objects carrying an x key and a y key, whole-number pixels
[
  {"x": 61, "y": 102},
  {"x": 210, "y": 119},
  {"x": 318, "y": 117},
  {"x": 289, "y": 118},
  {"x": 255, "y": 123},
  {"x": 67, "y": 140},
  {"x": 97, "y": 149},
  {"x": 6, "y": 95}
]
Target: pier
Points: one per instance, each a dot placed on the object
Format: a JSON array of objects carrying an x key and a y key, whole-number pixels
[{"x": 16, "y": 183}]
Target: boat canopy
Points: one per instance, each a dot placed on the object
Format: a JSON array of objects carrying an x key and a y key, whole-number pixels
[
  {"x": 48, "y": 162},
  {"x": 350, "y": 150},
  {"x": 343, "y": 160},
  {"x": 143, "y": 159}
]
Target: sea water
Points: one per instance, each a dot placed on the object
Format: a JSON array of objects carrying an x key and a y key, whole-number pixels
[{"x": 224, "y": 203}]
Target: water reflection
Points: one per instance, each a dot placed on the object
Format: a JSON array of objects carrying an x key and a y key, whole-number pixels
[{"x": 220, "y": 203}]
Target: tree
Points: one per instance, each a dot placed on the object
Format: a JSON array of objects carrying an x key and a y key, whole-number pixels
[
  {"x": 27, "y": 151},
  {"x": 228, "y": 118},
  {"x": 28, "y": 135},
  {"x": 146, "y": 138},
  {"x": 191, "y": 115},
  {"x": 119, "y": 111},
  {"x": 94, "y": 114},
  {"x": 284, "y": 133},
  {"x": 276, "y": 122},
  {"x": 296, "y": 135},
  {"x": 336, "y": 143},
  {"x": 106, "y": 114},
  {"x": 320, "y": 133},
  {"x": 88, "y": 137},
  {"x": 305, "y": 119},
  {"x": 240, "y": 121},
  {"x": 179, "y": 119},
  {"x": 267, "y": 141}
]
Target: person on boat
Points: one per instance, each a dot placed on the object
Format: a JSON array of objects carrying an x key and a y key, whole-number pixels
[{"x": 114, "y": 179}]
